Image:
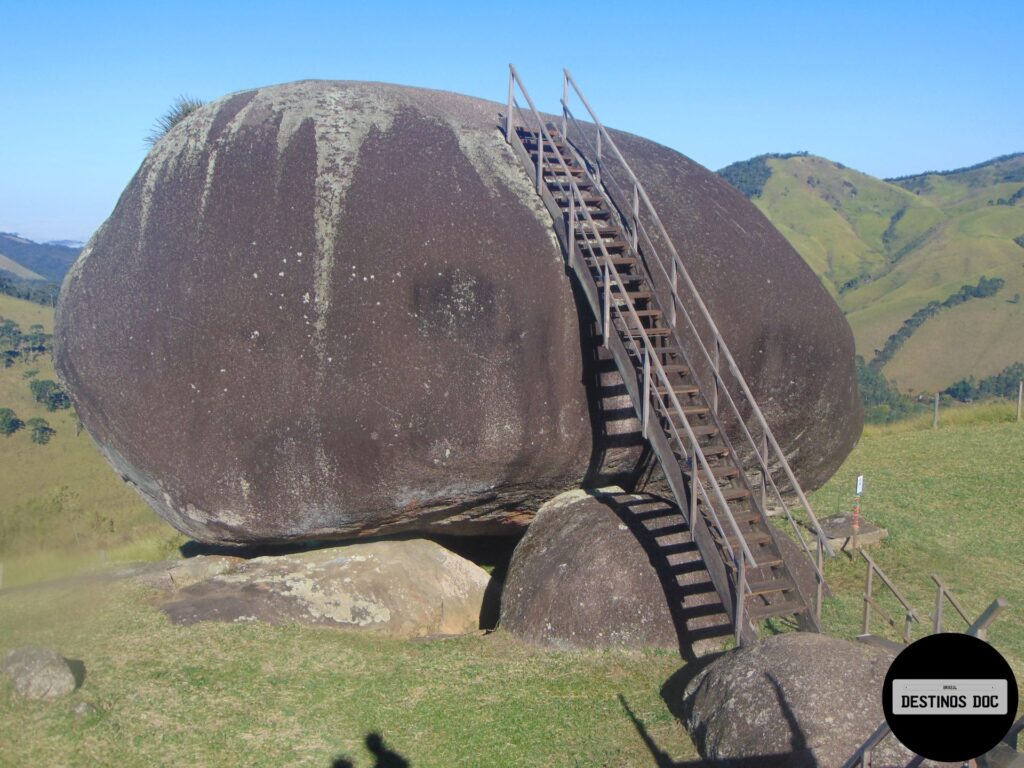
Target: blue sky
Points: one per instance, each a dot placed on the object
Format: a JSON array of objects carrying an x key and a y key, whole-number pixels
[{"x": 889, "y": 88}]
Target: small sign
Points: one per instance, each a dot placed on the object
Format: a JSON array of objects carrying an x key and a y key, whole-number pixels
[
  {"x": 860, "y": 484},
  {"x": 949, "y": 697}
]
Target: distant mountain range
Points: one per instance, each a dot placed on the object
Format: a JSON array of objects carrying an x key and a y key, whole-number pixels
[
  {"x": 905, "y": 258},
  {"x": 26, "y": 260}
]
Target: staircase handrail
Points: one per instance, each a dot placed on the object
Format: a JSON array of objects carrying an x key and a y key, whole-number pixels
[
  {"x": 721, "y": 387},
  {"x": 679, "y": 268},
  {"x": 650, "y": 357}
]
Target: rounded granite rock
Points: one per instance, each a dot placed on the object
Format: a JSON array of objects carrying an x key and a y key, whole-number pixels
[
  {"x": 594, "y": 571},
  {"x": 38, "y": 673},
  {"x": 794, "y": 700},
  {"x": 338, "y": 309},
  {"x": 403, "y": 588}
]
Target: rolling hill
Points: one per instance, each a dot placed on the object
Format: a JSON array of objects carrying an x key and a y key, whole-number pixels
[
  {"x": 35, "y": 261},
  {"x": 61, "y": 497},
  {"x": 887, "y": 249}
]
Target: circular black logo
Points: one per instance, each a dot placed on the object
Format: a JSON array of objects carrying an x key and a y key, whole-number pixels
[{"x": 950, "y": 697}]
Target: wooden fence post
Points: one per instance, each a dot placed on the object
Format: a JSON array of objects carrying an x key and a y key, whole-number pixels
[
  {"x": 935, "y": 418},
  {"x": 1020, "y": 397}
]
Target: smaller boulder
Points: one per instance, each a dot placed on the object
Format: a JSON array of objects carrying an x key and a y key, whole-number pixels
[
  {"x": 611, "y": 570},
  {"x": 404, "y": 588},
  {"x": 793, "y": 700},
  {"x": 38, "y": 673}
]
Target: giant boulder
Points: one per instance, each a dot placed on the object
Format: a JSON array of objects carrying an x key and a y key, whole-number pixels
[{"x": 334, "y": 309}]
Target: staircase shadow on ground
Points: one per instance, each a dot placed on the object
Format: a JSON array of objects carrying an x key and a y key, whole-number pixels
[{"x": 693, "y": 603}]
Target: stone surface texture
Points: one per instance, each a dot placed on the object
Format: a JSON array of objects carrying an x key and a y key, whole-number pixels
[
  {"x": 586, "y": 576},
  {"x": 179, "y": 574},
  {"x": 400, "y": 588},
  {"x": 797, "y": 699},
  {"x": 38, "y": 673},
  {"x": 338, "y": 309}
]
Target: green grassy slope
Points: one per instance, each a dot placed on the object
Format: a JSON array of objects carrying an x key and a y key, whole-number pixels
[
  {"x": 950, "y": 499},
  {"x": 60, "y": 503},
  {"x": 885, "y": 249},
  {"x": 9, "y": 265},
  {"x": 258, "y": 696},
  {"x": 254, "y": 695},
  {"x": 50, "y": 261}
]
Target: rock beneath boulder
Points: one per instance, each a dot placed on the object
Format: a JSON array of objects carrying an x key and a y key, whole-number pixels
[
  {"x": 590, "y": 573},
  {"x": 38, "y": 673},
  {"x": 178, "y": 574},
  {"x": 400, "y": 588},
  {"x": 337, "y": 309},
  {"x": 792, "y": 700}
]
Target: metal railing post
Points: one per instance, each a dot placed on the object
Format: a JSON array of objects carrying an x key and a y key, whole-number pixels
[
  {"x": 937, "y": 623},
  {"x": 636, "y": 217},
  {"x": 867, "y": 598},
  {"x": 979, "y": 628},
  {"x": 565, "y": 108},
  {"x": 606, "y": 331},
  {"x": 597, "y": 169},
  {"x": 764, "y": 478},
  {"x": 572, "y": 223},
  {"x": 741, "y": 588},
  {"x": 821, "y": 582},
  {"x": 540, "y": 158},
  {"x": 675, "y": 297},
  {"x": 511, "y": 93},
  {"x": 647, "y": 391},
  {"x": 717, "y": 371}
]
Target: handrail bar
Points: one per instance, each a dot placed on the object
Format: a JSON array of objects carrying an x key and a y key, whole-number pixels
[
  {"x": 638, "y": 230},
  {"x": 719, "y": 339},
  {"x": 611, "y": 270},
  {"x": 858, "y": 757}
]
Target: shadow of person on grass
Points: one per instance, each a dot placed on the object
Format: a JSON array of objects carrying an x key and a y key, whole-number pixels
[
  {"x": 384, "y": 757},
  {"x": 798, "y": 756}
]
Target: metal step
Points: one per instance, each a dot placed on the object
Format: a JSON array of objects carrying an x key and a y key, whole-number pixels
[
  {"x": 612, "y": 246},
  {"x": 729, "y": 494},
  {"x": 681, "y": 389},
  {"x": 787, "y": 607},
  {"x": 771, "y": 586},
  {"x": 633, "y": 332},
  {"x": 598, "y": 262},
  {"x": 754, "y": 538}
]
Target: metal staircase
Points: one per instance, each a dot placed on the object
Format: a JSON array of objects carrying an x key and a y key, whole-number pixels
[{"x": 711, "y": 439}]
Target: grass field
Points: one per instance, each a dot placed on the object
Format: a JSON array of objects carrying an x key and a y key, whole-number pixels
[
  {"x": 953, "y": 501},
  {"x": 234, "y": 695},
  {"x": 215, "y": 694},
  {"x": 62, "y": 507}
]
